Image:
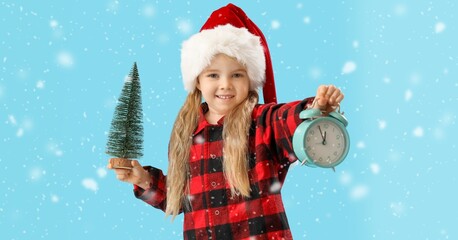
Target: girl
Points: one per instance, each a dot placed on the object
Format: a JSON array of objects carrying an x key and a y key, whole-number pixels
[{"x": 228, "y": 156}]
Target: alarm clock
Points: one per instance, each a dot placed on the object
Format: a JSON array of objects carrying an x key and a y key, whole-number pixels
[{"x": 321, "y": 141}]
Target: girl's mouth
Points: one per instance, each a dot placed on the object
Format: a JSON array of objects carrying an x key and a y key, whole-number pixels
[{"x": 225, "y": 96}]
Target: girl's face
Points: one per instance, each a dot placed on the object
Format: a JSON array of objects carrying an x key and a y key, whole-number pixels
[{"x": 224, "y": 85}]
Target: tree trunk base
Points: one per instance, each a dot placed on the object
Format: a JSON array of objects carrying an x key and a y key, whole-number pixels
[{"x": 121, "y": 163}]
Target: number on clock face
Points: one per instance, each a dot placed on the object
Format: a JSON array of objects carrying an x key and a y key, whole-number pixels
[{"x": 325, "y": 143}]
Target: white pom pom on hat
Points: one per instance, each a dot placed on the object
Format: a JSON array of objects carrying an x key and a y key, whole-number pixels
[{"x": 228, "y": 30}]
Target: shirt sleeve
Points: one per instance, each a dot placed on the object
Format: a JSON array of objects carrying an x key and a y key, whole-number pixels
[
  {"x": 278, "y": 123},
  {"x": 156, "y": 194}
]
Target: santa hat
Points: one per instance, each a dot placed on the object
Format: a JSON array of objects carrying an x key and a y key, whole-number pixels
[{"x": 228, "y": 30}]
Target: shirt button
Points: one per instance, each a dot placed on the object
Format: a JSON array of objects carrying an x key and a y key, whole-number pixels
[
  {"x": 213, "y": 184},
  {"x": 217, "y": 212}
]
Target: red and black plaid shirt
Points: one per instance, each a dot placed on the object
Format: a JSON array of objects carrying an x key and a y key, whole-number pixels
[{"x": 213, "y": 212}]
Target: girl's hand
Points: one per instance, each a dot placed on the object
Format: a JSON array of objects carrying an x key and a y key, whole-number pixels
[
  {"x": 137, "y": 175},
  {"x": 328, "y": 98}
]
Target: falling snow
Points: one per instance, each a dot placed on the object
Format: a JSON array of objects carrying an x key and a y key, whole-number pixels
[
  {"x": 184, "y": 26},
  {"x": 307, "y": 20},
  {"x": 65, "y": 59},
  {"x": 61, "y": 74},
  {"x": 408, "y": 95},
  {"x": 149, "y": 11},
  {"x": 40, "y": 84},
  {"x": 275, "y": 187},
  {"x": 54, "y": 198},
  {"x": 439, "y": 27},
  {"x": 101, "y": 172},
  {"x": 275, "y": 24},
  {"x": 359, "y": 192},
  {"x": 381, "y": 124},
  {"x": 375, "y": 168},
  {"x": 90, "y": 184},
  {"x": 348, "y": 67},
  {"x": 418, "y": 132}
]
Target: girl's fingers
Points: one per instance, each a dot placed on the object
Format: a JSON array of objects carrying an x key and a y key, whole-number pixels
[
  {"x": 121, "y": 170},
  {"x": 137, "y": 169},
  {"x": 327, "y": 95},
  {"x": 334, "y": 98},
  {"x": 330, "y": 91},
  {"x": 322, "y": 90},
  {"x": 123, "y": 176},
  {"x": 321, "y": 95},
  {"x": 109, "y": 165},
  {"x": 133, "y": 175},
  {"x": 135, "y": 165},
  {"x": 340, "y": 98},
  {"x": 328, "y": 98}
]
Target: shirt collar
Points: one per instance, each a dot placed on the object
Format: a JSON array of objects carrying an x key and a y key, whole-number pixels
[{"x": 202, "y": 123}]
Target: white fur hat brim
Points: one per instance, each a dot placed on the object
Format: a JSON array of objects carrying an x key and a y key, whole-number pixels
[{"x": 198, "y": 51}]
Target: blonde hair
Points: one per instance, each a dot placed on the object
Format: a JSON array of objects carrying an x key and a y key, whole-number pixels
[{"x": 236, "y": 128}]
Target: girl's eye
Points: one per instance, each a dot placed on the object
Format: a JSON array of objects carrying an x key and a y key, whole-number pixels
[
  {"x": 238, "y": 75},
  {"x": 212, "y": 75}
]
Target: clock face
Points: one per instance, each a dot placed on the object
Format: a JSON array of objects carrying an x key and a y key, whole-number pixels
[{"x": 325, "y": 143}]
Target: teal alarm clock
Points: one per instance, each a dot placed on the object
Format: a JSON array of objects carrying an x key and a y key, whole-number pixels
[{"x": 321, "y": 141}]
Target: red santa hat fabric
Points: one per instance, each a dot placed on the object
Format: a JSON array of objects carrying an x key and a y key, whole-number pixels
[{"x": 228, "y": 30}]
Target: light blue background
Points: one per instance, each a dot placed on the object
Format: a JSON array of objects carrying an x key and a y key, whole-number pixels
[{"x": 62, "y": 68}]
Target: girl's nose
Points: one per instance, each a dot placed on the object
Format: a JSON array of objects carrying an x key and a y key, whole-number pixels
[{"x": 225, "y": 83}]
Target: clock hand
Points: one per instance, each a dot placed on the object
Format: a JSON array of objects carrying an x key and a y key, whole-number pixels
[{"x": 321, "y": 133}]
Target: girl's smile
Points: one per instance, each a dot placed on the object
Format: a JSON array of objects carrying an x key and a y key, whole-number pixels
[{"x": 225, "y": 96}]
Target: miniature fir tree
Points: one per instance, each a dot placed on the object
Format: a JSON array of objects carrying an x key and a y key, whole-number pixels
[{"x": 125, "y": 139}]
